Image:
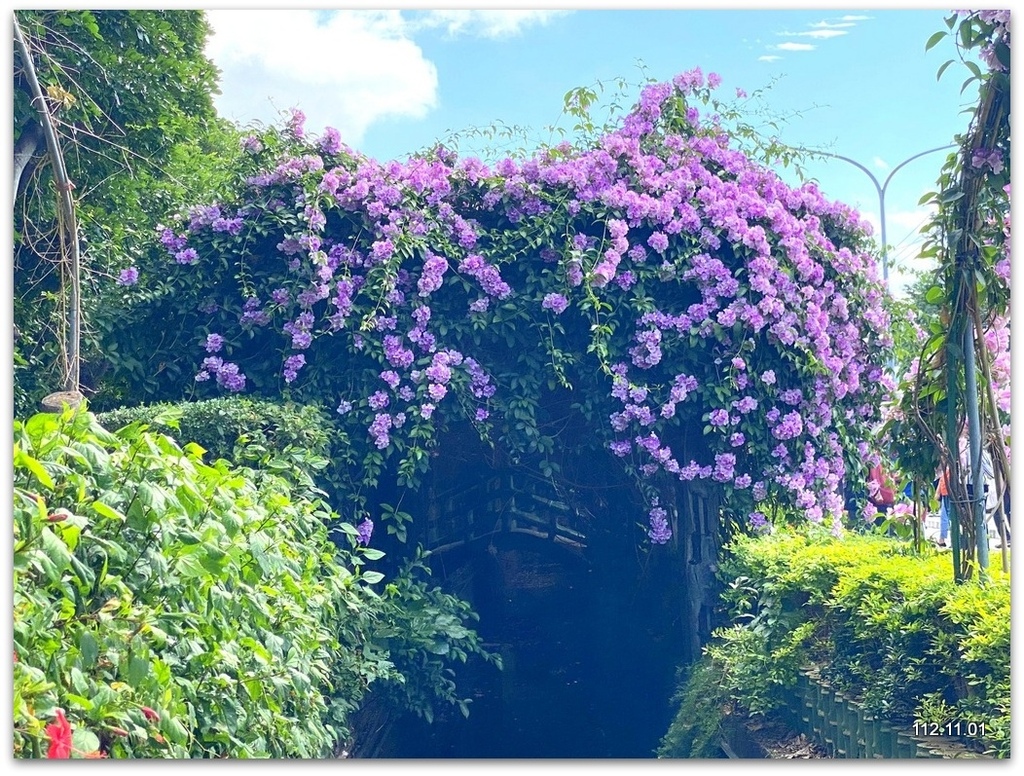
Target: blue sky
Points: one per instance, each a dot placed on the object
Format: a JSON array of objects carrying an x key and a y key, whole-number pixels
[{"x": 856, "y": 82}]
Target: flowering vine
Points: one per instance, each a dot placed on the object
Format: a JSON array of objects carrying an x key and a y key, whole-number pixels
[
  {"x": 970, "y": 239},
  {"x": 657, "y": 271}
]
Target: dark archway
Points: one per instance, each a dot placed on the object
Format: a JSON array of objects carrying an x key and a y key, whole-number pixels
[{"x": 591, "y": 622}]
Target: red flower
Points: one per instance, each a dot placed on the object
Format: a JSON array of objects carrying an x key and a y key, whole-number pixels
[
  {"x": 150, "y": 714},
  {"x": 59, "y": 733}
]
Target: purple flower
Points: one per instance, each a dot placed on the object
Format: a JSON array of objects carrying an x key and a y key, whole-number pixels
[
  {"x": 620, "y": 448},
  {"x": 251, "y": 144},
  {"x": 481, "y": 415},
  {"x": 330, "y": 142},
  {"x": 758, "y": 522},
  {"x": 658, "y": 241},
  {"x": 555, "y": 302},
  {"x": 725, "y": 467},
  {"x": 433, "y": 274},
  {"x": 229, "y": 376},
  {"x": 214, "y": 342},
  {"x": 344, "y": 407},
  {"x": 128, "y": 277},
  {"x": 746, "y": 404},
  {"x": 296, "y": 123},
  {"x": 659, "y": 531},
  {"x": 379, "y": 430},
  {"x": 186, "y": 256},
  {"x": 365, "y": 531},
  {"x": 292, "y": 365},
  {"x": 378, "y": 400},
  {"x": 719, "y": 417}
]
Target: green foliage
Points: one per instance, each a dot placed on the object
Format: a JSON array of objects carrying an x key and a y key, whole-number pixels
[
  {"x": 878, "y": 622},
  {"x": 969, "y": 239},
  {"x": 425, "y": 631},
  {"x": 704, "y": 704},
  {"x": 178, "y": 609},
  {"x": 130, "y": 92},
  {"x": 233, "y": 427}
]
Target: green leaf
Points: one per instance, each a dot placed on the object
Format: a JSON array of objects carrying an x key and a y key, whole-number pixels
[
  {"x": 935, "y": 39},
  {"x": 934, "y": 295},
  {"x": 88, "y": 647},
  {"x": 24, "y": 459},
  {"x": 942, "y": 68},
  {"x": 56, "y": 551},
  {"x": 84, "y": 741},
  {"x": 372, "y": 577},
  {"x": 138, "y": 670},
  {"x": 107, "y": 511}
]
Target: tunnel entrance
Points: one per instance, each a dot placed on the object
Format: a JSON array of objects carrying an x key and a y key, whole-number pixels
[
  {"x": 589, "y": 651},
  {"x": 591, "y": 621}
]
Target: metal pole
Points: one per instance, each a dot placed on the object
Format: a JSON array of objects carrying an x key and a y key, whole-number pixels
[
  {"x": 881, "y": 188},
  {"x": 977, "y": 475}
]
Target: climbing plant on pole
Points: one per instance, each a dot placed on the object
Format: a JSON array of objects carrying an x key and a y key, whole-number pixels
[{"x": 960, "y": 383}]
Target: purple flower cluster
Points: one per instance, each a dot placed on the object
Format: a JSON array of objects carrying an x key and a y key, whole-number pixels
[
  {"x": 659, "y": 531},
  {"x": 128, "y": 277},
  {"x": 214, "y": 342},
  {"x": 364, "y": 531},
  {"x": 292, "y": 365},
  {"x": 748, "y": 273},
  {"x": 227, "y": 374},
  {"x": 555, "y": 302}
]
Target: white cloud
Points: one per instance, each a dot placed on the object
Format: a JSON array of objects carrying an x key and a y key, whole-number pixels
[
  {"x": 795, "y": 47},
  {"x": 849, "y": 18},
  {"x": 819, "y": 34},
  {"x": 880, "y": 163},
  {"x": 488, "y": 24},
  {"x": 344, "y": 70},
  {"x": 768, "y": 58},
  {"x": 829, "y": 26}
]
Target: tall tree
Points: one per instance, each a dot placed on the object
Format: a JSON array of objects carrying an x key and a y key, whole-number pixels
[{"x": 130, "y": 94}]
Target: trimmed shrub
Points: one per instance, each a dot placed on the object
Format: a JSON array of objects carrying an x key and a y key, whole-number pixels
[
  {"x": 885, "y": 625},
  {"x": 222, "y": 425}
]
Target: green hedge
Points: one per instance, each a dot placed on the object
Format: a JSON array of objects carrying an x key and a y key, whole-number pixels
[
  {"x": 174, "y": 608},
  {"x": 886, "y": 625},
  {"x": 223, "y": 425}
]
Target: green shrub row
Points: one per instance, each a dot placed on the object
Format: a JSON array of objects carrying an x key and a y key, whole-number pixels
[
  {"x": 175, "y": 608},
  {"x": 224, "y": 425},
  {"x": 886, "y": 625}
]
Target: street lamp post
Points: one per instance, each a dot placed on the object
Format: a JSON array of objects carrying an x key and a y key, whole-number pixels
[{"x": 881, "y": 189}]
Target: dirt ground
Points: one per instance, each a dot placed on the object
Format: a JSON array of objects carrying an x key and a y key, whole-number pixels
[{"x": 781, "y": 743}]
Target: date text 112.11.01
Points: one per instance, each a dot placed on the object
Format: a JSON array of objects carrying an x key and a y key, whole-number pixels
[{"x": 962, "y": 728}]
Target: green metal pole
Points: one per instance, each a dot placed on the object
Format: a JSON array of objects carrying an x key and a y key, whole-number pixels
[
  {"x": 952, "y": 438},
  {"x": 977, "y": 476}
]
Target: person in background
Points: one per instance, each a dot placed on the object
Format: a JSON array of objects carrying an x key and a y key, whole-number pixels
[
  {"x": 942, "y": 491},
  {"x": 881, "y": 492}
]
